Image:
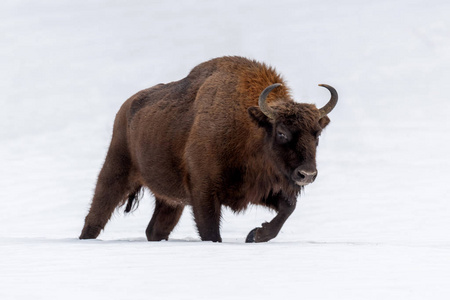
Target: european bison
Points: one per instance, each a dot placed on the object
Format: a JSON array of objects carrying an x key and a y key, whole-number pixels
[{"x": 227, "y": 134}]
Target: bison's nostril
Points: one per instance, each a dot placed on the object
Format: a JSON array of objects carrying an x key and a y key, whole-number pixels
[
  {"x": 301, "y": 175},
  {"x": 304, "y": 176}
]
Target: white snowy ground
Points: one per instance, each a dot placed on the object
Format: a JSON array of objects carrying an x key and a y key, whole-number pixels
[{"x": 374, "y": 225}]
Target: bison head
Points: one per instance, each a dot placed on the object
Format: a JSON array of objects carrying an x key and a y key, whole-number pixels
[{"x": 292, "y": 133}]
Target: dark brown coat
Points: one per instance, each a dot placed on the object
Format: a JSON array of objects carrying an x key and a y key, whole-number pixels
[{"x": 204, "y": 141}]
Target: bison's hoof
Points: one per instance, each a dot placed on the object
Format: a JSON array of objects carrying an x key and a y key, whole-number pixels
[
  {"x": 90, "y": 232},
  {"x": 251, "y": 236}
]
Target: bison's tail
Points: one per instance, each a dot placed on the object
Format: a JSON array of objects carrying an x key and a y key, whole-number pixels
[{"x": 133, "y": 200}]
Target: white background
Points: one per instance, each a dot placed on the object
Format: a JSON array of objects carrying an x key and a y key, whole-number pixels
[{"x": 374, "y": 225}]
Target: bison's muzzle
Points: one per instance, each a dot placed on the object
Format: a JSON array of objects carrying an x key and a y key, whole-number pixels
[{"x": 303, "y": 175}]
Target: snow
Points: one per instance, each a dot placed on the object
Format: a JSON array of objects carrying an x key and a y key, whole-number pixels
[{"x": 374, "y": 225}]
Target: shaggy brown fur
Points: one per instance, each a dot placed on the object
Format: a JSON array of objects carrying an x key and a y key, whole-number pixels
[{"x": 203, "y": 141}]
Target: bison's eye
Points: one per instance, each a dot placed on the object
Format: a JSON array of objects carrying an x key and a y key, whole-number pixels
[{"x": 282, "y": 136}]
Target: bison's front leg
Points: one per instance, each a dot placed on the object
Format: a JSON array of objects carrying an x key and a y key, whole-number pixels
[
  {"x": 207, "y": 214},
  {"x": 271, "y": 229},
  {"x": 207, "y": 219}
]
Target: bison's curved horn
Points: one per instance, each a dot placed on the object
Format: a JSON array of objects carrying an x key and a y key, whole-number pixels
[
  {"x": 266, "y": 109},
  {"x": 331, "y": 104}
]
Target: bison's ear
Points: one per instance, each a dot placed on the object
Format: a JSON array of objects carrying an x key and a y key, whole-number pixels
[
  {"x": 324, "y": 121},
  {"x": 259, "y": 117}
]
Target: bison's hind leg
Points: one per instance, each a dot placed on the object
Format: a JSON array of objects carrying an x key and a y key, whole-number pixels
[
  {"x": 164, "y": 219},
  {"x": 114, "y": 185}
]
